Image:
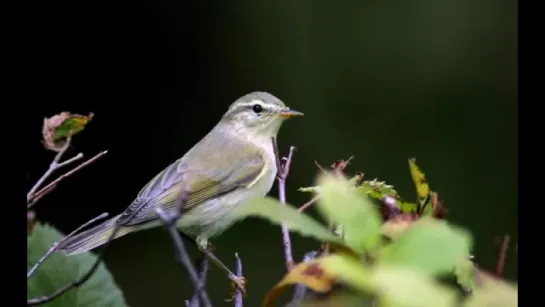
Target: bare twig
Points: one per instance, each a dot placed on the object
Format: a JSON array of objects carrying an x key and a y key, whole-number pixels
[
  {"x": 55, "y": 165},
  {"x": 283, "y": 171},
  {"x": 48, "y": 188},
  {"x": 203, "y": 273},
  {"x": 238, "y": 271},
  {"x": 78, "y": 282},
  {"x": 300, "y": 289},
  {"x": 500, "y": 264},
  {"x": 169, "y": 220},
  {"x": 55, "y": 245},
  {"x": 308, "y": 204}
]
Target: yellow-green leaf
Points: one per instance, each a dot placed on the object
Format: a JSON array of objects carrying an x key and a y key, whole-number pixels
[
  {"x": 429, "y": 245},
  {"x": 278, "y": 213},
  {"x": 321, "y": 274},
  {"x": 403, "y": 287},
  {"x": 493, "y": 293},
  {"x": 341, "y": 203},
  {"x": 58, "y": 128}
]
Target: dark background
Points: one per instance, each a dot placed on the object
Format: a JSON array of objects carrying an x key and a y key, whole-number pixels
[{"x": 380, "y": 80}]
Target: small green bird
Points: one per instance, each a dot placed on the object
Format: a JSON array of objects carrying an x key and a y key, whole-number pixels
[{"x": 234, "y": 162}]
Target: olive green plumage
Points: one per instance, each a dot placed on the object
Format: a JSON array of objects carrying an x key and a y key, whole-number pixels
[{"x": 234, "y": 162}]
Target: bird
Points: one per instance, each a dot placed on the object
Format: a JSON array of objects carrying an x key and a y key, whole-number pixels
[{"x": 234, "y": 162}]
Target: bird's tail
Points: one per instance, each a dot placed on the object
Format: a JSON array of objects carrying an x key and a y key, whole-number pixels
[{"x": 92, "y": 238}]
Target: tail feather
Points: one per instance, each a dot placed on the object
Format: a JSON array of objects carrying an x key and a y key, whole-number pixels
[{"x": 92, "y": 238}]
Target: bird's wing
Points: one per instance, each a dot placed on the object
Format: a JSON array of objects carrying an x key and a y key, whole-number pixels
[{"x": 205, "y": 175}]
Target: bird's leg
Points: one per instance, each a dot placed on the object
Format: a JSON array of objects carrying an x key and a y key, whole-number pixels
[{"x": 204, "y": 246}]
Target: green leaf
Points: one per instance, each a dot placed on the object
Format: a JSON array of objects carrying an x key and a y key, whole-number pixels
[
  {"x": 340, "y": 202},
  {"x": 379, "y": 189},
  {"x": 322, "y": 274},
  {"x": 72, "y": 125},
  {"x": 465, "y": 274},
  {"x": 429, "y": 245},
  {"x": 309, "y": 189},
  {"x": 403, "y": 287},
  {"x": 59, "y": 270},
  {"x": 494, "y": 292},
  {"x": 279, "y": 213}
]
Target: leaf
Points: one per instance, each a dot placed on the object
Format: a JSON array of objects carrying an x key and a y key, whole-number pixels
[
  {"x": 339, "y": 296},
  {"x": 58, "y": 128},
  {"x": 379, "y": 189},
  {"x": 310, "y": 189},
  {"x": 494, "y": 292},
  {"x": 341, "y": 203},
  {"x": 393, "y": 286},
  {"x": 403, "y": 287},
  {"x": 465, "y": 271},
  {"x": 429, "y": 245},
  {"x": 321, "y": 274},
  {"x": 395, "y": 227},
  {"x": 59, "y": 270},
  {"x": 422, "y": 187},
  {"x": 279, "y": 213}
]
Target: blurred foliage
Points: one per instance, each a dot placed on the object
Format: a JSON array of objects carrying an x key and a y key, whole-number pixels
[
  {"x": 395, "y": 271},
  {"x": 59, "y": 270}
]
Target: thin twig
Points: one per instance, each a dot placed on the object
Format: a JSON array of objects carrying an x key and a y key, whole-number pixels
[
  {"x": 300, "y": 289},
  {"x": 48, "y": 188},
  {"x": 55, "y": 165},
  {"x": 238, "y": 271},
  {"x": 308, "y": 204},
  {"x": 78, "y": 282},
  {"x": 55, "y": 245},
  {"x": 203, "y": 273},
  {"x": 169, "y": 220},
  {"x": 500, "y": 264},
  {"x": 283, "y": 171}
]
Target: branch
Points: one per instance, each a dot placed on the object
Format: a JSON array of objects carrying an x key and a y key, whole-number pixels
[
  {"x": 169, "y": 220},
  {"x": 35, "y": 196},
  {"x": 238, "y": 271},
  {"x": 502, "y": 254},
  {"x": 301, "y": 290},
  {"x": 55, "y": 165},
  {"x": 203, "y": 265},
  {"x": 283, "y": 171},
  {"x": 55, "y": 245},
  {"x": 78, "y": 282}
]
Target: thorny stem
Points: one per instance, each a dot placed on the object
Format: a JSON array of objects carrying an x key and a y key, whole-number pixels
[
  {"x": 56, "y": 245},
  {"x": 283, "y": 171}
]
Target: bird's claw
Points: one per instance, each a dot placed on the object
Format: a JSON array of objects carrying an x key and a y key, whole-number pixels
[{"x": 237, "y": 283}]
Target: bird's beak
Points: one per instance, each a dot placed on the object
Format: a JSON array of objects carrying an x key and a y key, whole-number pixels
[{"x": 287, "y": 113}]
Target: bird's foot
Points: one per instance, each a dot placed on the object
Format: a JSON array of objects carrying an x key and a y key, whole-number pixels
[{"x": 237, "y": 283}]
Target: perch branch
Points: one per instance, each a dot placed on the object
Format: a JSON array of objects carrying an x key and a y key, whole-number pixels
[
  {"x": 203, "y": 265},
  {"x": 300, "y": 289},
  {"x": 283, "y": 171},
  {"x": 55, "y": 245},
  {"x": 35, "y": 196},
  {"x": 55, "y": 165},
  {"x": 169, "y": 220},
  {"x": 238, "y": 271},
  {"x": 502, "y": 254}
]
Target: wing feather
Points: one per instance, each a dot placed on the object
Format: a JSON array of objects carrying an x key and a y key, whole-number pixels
[{"x": 207, "y": 174}]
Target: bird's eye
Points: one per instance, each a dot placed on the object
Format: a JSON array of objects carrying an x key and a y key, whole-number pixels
[{"x": 257, "y": 108}]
